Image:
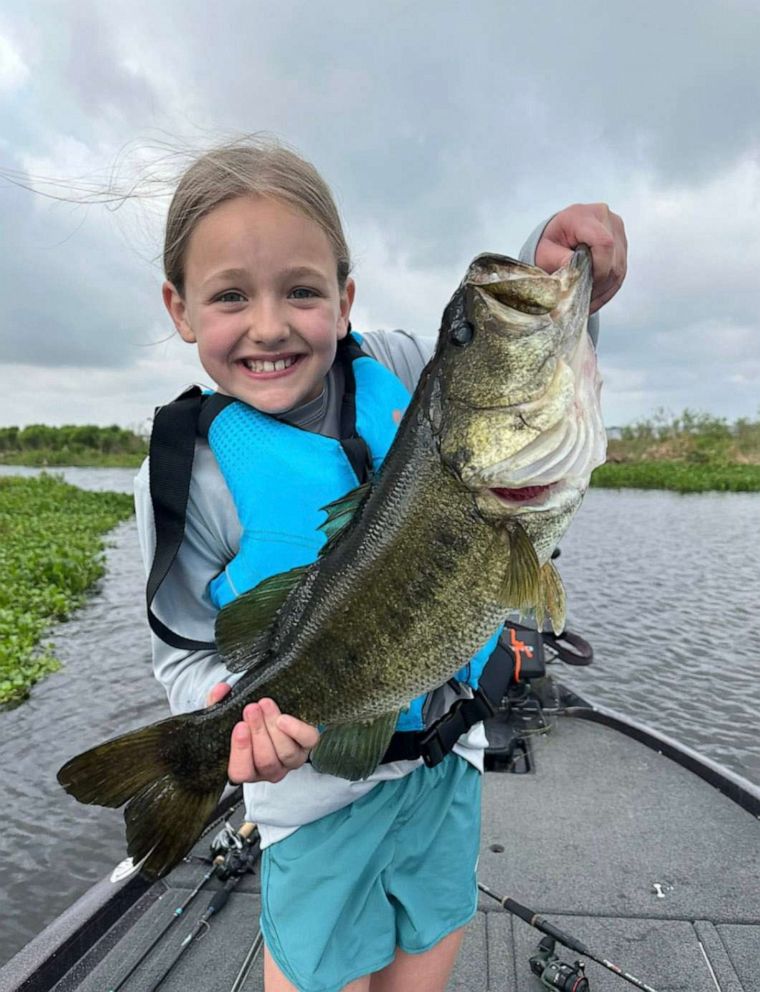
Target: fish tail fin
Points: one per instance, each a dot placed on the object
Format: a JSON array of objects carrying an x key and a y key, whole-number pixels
[{"x": 168, "y": 806}]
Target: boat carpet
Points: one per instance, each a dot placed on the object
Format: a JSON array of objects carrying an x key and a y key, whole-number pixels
[{"x": 647, "y": 864}]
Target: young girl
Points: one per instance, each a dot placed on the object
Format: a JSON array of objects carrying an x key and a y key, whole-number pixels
[{"x": 365, "y": 885}]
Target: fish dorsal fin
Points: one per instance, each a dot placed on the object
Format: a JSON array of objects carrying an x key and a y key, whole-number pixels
[
  {"x": 521, "y": 585},
  {"x": 552, "y": 599},
  {"x": 340, "y": 513},
  {"x": 242, "y": 626}
]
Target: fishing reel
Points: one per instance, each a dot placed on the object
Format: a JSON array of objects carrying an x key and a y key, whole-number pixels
[{"x": 556, "y": 974}]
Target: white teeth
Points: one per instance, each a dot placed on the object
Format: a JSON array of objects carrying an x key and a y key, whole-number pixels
[{"x": 260, "y": 366}]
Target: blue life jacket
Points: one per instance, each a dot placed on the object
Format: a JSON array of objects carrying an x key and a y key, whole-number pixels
[{"x": 280, "y": 476}]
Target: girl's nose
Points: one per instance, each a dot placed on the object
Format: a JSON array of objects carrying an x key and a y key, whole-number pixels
[{"x": 268, "y": 324}]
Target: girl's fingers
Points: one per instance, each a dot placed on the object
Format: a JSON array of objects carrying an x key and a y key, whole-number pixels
[
  {"x": 304, "y": 734},
  {"x": 603, "y": 231},
  {"x": 217, "y": 693},
  {"x": 268, "y": 765},
  {"x": 240, "y": 767},
  {"x": 266, "y": 745},
  {"x": 290, "y": 750}
]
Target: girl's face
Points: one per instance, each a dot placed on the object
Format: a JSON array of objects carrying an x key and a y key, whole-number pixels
[{"x": 261, "y": 301}]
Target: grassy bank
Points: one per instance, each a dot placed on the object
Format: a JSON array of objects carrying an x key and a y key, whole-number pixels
[
  {"x": 693, "y": 452},
  {"x": 51, "y": 553},
  {"x": 678, "y": 476},
  {"x": 50, "y": 458}
]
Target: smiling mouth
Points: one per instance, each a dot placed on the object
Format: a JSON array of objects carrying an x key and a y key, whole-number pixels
[{"x": 277, "y": 365}]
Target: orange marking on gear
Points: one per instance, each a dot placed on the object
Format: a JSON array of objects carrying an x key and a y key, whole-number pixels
[{"x": 519, "y": 647}]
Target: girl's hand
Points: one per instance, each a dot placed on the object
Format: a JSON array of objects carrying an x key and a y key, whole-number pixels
[
  {"x": 595, "y": 225},
  {"x": 266, "y": 744}
]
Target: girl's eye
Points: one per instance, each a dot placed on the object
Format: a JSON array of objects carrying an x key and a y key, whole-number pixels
[
  {"x": 231, "y": 296},
  {"x": 303, "y": 293}
]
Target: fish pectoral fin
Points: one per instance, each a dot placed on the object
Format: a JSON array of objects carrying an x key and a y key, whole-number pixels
[
  {"x": 242, "y": 626},
  {"x": 340, "y": 513},
  {"x": 354, "y": 750},
  {"x": 521, "y": 585},
  {"x": 552, "y": 599}
]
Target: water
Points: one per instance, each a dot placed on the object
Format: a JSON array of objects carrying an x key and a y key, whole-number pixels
[{"x": 664, "y": 586}]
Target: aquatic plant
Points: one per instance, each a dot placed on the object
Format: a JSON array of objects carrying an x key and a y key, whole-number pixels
[{"x": 51, "y": 554}]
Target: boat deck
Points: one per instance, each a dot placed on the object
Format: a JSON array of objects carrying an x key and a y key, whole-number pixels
[{"x": 590, "y": 841}]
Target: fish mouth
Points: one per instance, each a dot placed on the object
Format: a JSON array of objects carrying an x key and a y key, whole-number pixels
[{"x": 523, "y": 494}]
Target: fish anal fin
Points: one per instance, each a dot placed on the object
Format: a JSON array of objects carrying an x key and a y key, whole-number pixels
[
  {"x": 242, "y": 626},
  {"x": 354, "y": 750}
]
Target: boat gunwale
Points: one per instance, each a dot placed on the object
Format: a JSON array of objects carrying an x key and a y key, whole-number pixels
[{"x": 730, "y": 784}]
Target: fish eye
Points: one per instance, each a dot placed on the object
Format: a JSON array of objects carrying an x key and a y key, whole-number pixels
[{"x": 462, "y": 333}]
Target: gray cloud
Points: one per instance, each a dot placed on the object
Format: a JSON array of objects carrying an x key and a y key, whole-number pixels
[{"x": 444, "y": 129}]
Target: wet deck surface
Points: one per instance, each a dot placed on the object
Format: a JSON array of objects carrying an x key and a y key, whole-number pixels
[{"x": 583, "y": 841}]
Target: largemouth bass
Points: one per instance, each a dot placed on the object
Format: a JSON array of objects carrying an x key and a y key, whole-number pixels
[{"x": 421, "y": 565}]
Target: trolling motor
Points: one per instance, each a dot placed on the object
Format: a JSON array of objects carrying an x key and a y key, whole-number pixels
[{"x": 556, "y": 974}]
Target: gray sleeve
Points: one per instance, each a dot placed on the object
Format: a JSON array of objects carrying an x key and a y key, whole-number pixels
[
  {"x": 528, "y": 254},
  {"x": 212, "y": 534},
  {"x": 403, "y": 353}
]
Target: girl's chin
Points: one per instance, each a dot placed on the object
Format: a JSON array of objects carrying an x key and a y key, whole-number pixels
[{"x": 277, "y": 399}]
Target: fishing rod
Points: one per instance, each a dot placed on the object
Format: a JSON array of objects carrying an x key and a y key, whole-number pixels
[
  {"x": 224, "y": 841},
  {"x": 250, "y": 960},
  {"x": 572, "y": 943},
  {"x": 236, "y": 864}
]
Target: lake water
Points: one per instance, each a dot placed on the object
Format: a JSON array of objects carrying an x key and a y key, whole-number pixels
[{"x": 665, "y": 587}]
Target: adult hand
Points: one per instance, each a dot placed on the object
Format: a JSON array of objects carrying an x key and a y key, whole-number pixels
[
  {"x": 595, "y": 225},
  {"x": 266, "y": 744}
]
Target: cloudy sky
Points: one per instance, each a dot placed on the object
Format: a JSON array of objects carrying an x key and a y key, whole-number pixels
[{"x": 444, "y": 128}]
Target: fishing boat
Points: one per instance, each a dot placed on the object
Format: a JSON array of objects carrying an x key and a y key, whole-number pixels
[{"x": 612, "y": 856}]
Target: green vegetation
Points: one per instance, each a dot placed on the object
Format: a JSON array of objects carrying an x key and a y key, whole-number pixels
[
  {"x": 682, "y": 477},
  {"x": 51, "y": 553},
  {"x": 72, "y": 444},
  {"x": 693, "y": 452}
]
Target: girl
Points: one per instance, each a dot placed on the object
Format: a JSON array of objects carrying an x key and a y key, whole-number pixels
[{"x": 365, "y": 885}]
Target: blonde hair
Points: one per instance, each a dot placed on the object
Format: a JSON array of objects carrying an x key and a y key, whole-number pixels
[{"x": 254, "y": 166}]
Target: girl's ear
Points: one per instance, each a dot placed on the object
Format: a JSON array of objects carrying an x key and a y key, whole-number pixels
[
  {"x": 177, "y": 311},
  {"x": 346, "y": 302}
]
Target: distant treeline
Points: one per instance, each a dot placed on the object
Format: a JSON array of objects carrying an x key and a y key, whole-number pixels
[
  {"x": 72, "y": 444},
  {"x": 71, "y": 437},
  {"x": 692, "y": 437}
]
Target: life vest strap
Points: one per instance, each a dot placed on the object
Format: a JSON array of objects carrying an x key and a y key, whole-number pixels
[
  {"x": 172, "y": 449},
  {"x": 437, "y": 740}
]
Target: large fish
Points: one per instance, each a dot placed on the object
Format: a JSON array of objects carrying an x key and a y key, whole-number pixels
[{"x": 421, "y": 565}]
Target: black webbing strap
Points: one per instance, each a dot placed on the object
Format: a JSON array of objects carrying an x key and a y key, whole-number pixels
[
  {"x": 172, "y": 447},
  {"x": 354, "y": 447},
  {"x": 436, "y": 741}
]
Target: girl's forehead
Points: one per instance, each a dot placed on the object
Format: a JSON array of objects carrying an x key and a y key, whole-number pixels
[{"x": 260, "y": 229}]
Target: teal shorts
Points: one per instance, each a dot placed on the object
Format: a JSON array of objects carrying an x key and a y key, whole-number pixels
[{"x": 396, "y": 868}]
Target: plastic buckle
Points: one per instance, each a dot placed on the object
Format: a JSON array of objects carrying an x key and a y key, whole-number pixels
[{"x": 431, "y": 748}]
